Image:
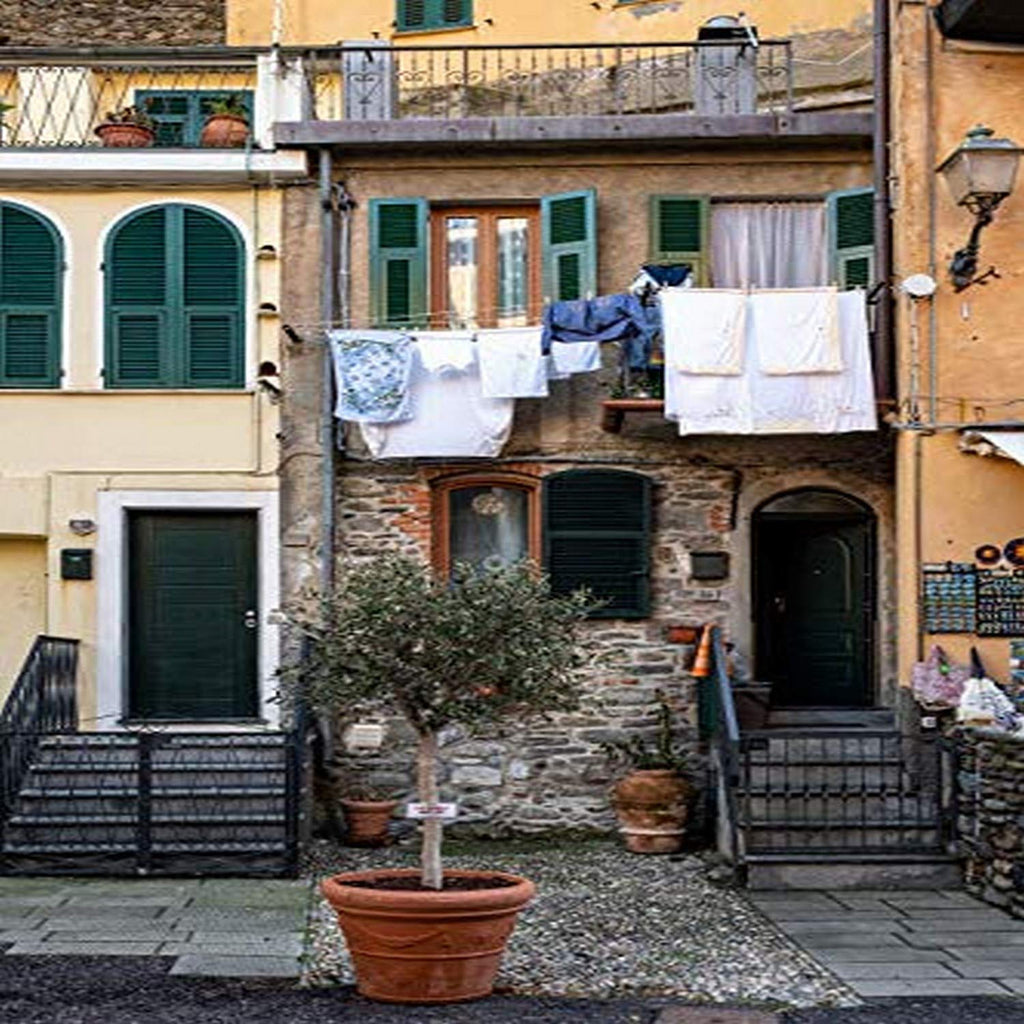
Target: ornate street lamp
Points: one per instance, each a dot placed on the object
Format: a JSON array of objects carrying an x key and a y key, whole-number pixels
[{"x": 980, "y": 173}]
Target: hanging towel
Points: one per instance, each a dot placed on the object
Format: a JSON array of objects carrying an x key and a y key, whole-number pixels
[
  {"x": 704, "y": 329},
  {"x": 853, "y": 390},
  {"x": 441, "y": 351},
  {"x": 511, "y": 363},
  {"x": 372, "y": 370},
  {"x": 453, "y": 419},
  {"x": 797, "y": 330},
  {"x": 579, "y": 357}
]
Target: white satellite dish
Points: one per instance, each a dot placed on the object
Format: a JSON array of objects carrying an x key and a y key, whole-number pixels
[{"x": 919, "y": 286}]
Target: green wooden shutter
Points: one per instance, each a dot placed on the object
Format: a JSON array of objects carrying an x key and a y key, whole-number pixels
[
  {"x": 597, "y": 529},
  {"x": 852, "y": 237},
  {"x": 421, "y": 15},
  {"x": 175, "y": 301},
  {"x": 31, "y": 267},
  {"x": 213, "y": 282},
  {"x": 679, "y": 233},
  {"x": 569, "y": 245},
  {"x": 398, "y": 261},
  {"x": 138, "y": 302}
]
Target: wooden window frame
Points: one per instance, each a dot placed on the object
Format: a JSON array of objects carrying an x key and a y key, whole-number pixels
[
  {"x": 487, "y": 216},
  {"x": 441, "y": 490}
]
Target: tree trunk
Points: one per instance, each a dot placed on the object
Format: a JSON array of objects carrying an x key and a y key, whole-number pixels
[{"x": 426, "y": 783}]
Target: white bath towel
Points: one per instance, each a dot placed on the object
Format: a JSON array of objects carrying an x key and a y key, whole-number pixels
[
  {"x": 511, "y": 363},
  {"x": 704, "y": 329},
  {"x": 796, "y": 330}
]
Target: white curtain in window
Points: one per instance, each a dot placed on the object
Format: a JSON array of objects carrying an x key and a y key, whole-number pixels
[{"x": 769, "y": 245}]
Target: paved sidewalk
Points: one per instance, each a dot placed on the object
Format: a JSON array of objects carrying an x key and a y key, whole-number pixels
[
  {"x": 220, "y": 927},
  {"x": 905, "y": 943}
]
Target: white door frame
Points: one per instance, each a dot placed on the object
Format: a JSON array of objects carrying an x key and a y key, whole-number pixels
[{"x": 112, "y": 580}]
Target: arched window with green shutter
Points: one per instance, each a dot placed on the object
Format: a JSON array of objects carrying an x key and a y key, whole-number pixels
[
  {"x": 175, "y": 300},
  {"x": 597, "y": 534},
  {"x": 31, "y": 271}
]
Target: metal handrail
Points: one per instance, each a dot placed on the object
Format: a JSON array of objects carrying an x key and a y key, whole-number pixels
[{"x": 725, "y": 745}]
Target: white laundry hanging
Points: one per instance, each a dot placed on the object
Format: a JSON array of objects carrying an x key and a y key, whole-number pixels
[
  {"x": 568, "y": 358},
  {"x": 704, "y": 329},
  {"x": 442, "y": 351},
  {"x": 511, "y": 363},
  {"x": 797, "y": 330}
]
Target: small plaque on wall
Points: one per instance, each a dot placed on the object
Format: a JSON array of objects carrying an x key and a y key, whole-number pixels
[{"x": 76, "y": 563}]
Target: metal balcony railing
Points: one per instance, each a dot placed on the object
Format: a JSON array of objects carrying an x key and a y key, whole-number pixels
[{"x": 713, "y": 79}]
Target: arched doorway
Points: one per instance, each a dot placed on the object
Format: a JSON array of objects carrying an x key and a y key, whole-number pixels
[{"x": 814, "y": 598}]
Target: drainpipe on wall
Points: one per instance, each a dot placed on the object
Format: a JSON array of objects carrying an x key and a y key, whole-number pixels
[
  {"x": 327, "y": 263},
  {"x": 884, "y": 370}
]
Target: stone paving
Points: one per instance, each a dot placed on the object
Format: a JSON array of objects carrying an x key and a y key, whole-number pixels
[
  {"x": 220, "y": 927},
  {"x": 905, "y": 942}
]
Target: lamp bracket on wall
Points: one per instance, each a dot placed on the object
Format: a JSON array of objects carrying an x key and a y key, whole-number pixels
[{"x": 963, "y": 268}]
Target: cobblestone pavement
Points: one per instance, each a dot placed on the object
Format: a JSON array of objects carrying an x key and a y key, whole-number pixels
[
  {"x": 905, "y": 943},
  {"x": 226, "y": 926}
]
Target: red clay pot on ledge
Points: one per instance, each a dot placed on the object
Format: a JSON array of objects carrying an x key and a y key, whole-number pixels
[
  {"x": 367, "y": 821},
  {"x": 652, "y": 806},
  {"x": 125, "y": 135},
  {"x": 224, "y": 131},
  {"x": 416, "y": 946}
]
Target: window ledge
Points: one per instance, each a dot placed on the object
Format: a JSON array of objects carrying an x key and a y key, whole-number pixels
[{"x": 404, "y": 33}]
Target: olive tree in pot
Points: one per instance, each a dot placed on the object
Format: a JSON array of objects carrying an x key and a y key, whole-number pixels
[
  {"x": 482, "y": 648},
  {"x": 652, "y": 799}
]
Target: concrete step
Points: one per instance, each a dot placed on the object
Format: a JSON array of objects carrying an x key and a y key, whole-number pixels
[
  {"x": 848, "y": 747},
  {"x": 861, "y": 871},
  {"x": 859, "y": 718},
  {"x": 851, "y": 807},
  {"x": 98, "y": 803},
  {"x": 830, "y": 838}
]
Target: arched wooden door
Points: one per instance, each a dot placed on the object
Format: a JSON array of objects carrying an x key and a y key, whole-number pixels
[{"x": 814, "y": 584}]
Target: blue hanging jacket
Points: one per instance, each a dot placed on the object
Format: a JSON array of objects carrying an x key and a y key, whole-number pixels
[{"x": 622, "y": 318}]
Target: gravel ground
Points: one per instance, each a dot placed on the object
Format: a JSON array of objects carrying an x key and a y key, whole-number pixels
[{"x": 607, "y": 923}]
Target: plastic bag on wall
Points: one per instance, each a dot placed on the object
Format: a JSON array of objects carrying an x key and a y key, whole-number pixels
[
  {"x": 937, "y": 682},
  {"x": 983, "y": 703}
]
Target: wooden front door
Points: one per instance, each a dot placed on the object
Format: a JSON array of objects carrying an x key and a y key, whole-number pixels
[
  {"x": 814, "y": 607},
  {"x": 193, "y": 616}
]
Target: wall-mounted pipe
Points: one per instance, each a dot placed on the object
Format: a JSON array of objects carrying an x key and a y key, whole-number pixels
[
  {"x": 327, "y": 265},
  {"x": 884, "y": 355}
]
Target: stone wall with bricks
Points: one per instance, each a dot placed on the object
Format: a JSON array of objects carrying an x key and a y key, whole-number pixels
[
  {"x": 111, "y": 22},
  {"x": 990, "y": 815}
]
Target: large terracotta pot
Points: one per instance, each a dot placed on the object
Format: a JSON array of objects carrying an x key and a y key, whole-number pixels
[
  {"x": 652, "y": 807},
  {"x": 126, "y": 136},
  {"x": 412, "y": 946},
  {"x": 224, "y": 131},
  {"x": 367, "y": 821}
]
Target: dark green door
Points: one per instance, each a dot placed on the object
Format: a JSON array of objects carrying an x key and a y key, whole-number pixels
[
  {"x": 814, "y": 602},
  {"x": 192, "y": 616}
]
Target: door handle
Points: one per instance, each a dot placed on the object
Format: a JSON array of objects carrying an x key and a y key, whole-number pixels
[
  {"x": 779, "y": 603},
  {"x": 249, "y": 619}
]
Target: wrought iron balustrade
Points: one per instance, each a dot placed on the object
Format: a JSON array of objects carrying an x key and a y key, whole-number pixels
[
  {"x": 57, "y": 98},
  {"x": 360, "y": 82}
]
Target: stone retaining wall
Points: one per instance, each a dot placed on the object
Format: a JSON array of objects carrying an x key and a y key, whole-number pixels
[
  {"x": 990, "y": 818},
  {"x": 111, "y": 22}
]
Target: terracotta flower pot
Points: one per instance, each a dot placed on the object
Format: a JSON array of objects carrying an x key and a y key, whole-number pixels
[
  {"x": 652, "y": 807},
  {"x": 133, "y": 136},
  {"x": 224, "y": 131},
  {"x": 367, "y": 821},
  {"x": 415, "y": 946}
]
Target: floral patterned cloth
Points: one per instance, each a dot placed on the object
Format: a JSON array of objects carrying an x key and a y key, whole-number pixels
[{"x": 372, "y": 370}]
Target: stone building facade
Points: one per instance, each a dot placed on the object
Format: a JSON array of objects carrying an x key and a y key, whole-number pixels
[
  {"x": 112, "y": 22},
  {"x": 706, "y": 491}
]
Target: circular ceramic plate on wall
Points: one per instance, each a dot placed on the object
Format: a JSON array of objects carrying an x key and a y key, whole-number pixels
[
  {"x": 988, "y": 554},
  {"x": 1014, "y": 551}
]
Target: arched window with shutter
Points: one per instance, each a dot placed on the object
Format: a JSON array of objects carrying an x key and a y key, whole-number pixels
[
  {"x": 597, "y": 534},
  {"x": 31, "y": 270},
  {"x": 175, "y": 300}
]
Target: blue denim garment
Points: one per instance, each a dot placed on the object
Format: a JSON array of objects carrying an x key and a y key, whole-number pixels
[{"x": 622, "y": 318}]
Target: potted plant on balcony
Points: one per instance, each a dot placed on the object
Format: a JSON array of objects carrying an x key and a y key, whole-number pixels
[
  {"x": 483, "y": 647},
  {"x": 227, "y": 125},
  {"x": 652, "y": 800},
  {"x": 128, "y": 127}
]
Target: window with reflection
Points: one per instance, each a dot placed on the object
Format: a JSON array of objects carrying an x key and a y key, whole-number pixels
[
  {"x": 486, "y": 266},
  {"x": 486, "y": 521}
]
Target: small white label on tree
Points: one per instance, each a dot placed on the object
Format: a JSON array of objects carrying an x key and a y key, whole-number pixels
[{"x": 436, "y": 812}]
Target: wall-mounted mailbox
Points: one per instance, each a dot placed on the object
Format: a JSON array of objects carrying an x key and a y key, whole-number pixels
[
  {"x": 709, "y": 565},
  {"x": 76, "y": 564}
]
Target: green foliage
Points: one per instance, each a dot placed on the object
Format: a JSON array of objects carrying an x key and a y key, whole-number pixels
[
  {"x": 637, "y": 753},
  {"x": 129, "y": 115},
  {"x": 229, "y": 106},
  {"x": 485, "y": 646}
]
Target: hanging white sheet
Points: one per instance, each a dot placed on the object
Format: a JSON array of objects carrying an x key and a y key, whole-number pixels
[
  {"x": 511, "y": 363},
  {"x": 568, "y": 358},
  {"x": 445, "y": 351},
  {"x": 704, "y": 329},
  {"x": 797, "y": 330}
]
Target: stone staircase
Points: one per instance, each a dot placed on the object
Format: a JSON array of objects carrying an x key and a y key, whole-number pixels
[
  {"x": 155, "y": 803},
  {"x": 827, "y": 799}
]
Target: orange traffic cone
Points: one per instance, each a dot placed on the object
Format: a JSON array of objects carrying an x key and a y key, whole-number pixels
[{"x": 702, "y": 663}]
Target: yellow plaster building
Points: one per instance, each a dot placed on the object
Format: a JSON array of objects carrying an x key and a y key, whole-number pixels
[{"x": 960, "y": 495}]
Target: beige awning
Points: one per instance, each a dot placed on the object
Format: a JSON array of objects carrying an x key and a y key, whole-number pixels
[{"x": 1006, "y": 444}]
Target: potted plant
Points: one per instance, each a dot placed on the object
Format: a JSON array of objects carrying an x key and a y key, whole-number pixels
[
  {"x": 470, "y": 651},
  {"x": 4, "y": 108},
  {"x": 227, "y": 125},
  {"x": 652, "y": 799},
  {"x": 128, "y": 127},
  {"x": 367, "y": 813}
]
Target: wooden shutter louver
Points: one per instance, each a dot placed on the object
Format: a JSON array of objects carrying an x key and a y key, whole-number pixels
[
  {"x": 597, "y": 535},
  {"x": 398, "y": 261},
  {"x": 31, "y": 267},
  {"x": 852, "y": 237},
  {"x": 569, "y": 245},
  {"x": 679, "y": 232}
]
